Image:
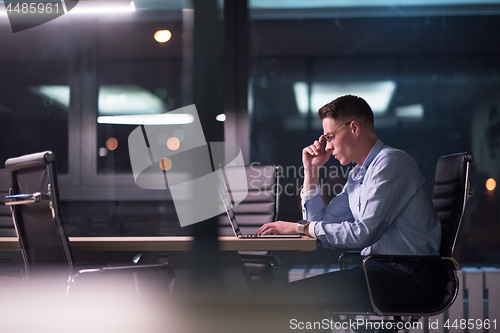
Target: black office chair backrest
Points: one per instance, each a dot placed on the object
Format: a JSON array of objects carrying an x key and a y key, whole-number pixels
[
  {"x": 261, "y": 203},
  {"x": 451, "y": 192},
  {"x": 35, "y": 201},
  {"x": 6, "y": 224}
]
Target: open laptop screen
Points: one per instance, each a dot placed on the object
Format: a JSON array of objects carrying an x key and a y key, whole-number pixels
[
  {"x": 232, "y": 218},
  {"x": 229, "y": 208}
]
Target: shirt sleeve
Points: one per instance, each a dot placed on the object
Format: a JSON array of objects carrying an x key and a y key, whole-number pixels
[
  {"x": 336, "y": 211},
  {"x": 386, "y": 190}
]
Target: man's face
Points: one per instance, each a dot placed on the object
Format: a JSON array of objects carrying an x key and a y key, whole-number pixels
[{"x": 340, "y": 140}]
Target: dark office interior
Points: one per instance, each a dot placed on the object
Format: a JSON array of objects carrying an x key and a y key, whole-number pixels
[{"x": 431, "y": 67}]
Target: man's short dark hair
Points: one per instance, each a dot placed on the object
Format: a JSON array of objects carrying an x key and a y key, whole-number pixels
[{"x": 347, "y": 108}]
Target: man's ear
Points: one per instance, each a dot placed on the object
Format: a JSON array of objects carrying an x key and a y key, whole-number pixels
[{"x": 355, "y": 127}]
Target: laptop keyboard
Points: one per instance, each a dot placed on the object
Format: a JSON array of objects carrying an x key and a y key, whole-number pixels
[
  {"x": 250, "y": 236},
  {"x": 269, "y": 236}
]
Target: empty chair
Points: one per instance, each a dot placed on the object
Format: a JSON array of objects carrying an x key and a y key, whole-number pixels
[
  {"x": 11, "y": 262},
  {"x": 34, "y": 199},
  {"x": 6, "y": 224},
  {"x": 261, "y": 203}
]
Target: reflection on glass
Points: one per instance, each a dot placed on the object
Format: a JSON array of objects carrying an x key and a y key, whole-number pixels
[
  {"x": 113, "y": 99},
  {"x": 131, "y": 94},
  {"x": 221, "y": 117},
  {"x": 103, "y": 7},
  {"x": 377, "y": 94},
  {"x": 128, "y": 99},
  {"x": 147, "y": 119},
  {"x": 491, "y": 184},
  {"x": 173, "y": 143},
  {"x": 414, "y": 111},
  {"x": 165, "y": 163},
  {"x": 162, "y": 36},
  {"x": 112, "y": 144},
  {"x": 59, "y": 94},
  {"x": 426, "y": 67},
  {"x": 274, "y": 4},
  {"x": 32, "y": 119}
]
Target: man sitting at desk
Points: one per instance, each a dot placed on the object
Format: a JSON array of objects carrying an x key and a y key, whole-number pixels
[{"x": 384, "y": 208}]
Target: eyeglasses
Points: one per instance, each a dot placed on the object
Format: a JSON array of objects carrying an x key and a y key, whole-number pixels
[{"x": 329, "y": 136}]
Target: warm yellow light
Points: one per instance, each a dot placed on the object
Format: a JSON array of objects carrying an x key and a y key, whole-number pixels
[
  {"x": 173, "y": 143},
  {"x": 166, "y": 163},
  {"x": 112, "y": 143},
  {"x": 491, "y": 184},
  {"x": 163, "y": 36}
]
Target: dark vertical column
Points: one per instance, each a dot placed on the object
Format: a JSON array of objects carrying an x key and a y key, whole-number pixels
[
  {"x": 207, "y": 98},
  {"x": 75, "y": 110},
  {"x": 309, "y": 78},
  {"x": 236, "y": 69},
  {"x": 87, "y": 57}
]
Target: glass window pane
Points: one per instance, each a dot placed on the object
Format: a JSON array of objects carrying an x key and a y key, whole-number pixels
[
  {"x": 34, "y": 107},
  {"x": 138, "y": 81},
  {"x": 430, "y": 75}
]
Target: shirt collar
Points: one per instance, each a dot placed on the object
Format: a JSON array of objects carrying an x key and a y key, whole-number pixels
[{"x": 360, "y": 175}]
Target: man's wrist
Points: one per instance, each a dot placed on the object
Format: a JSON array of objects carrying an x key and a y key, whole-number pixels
[
  {"x": 310, "y": 230},
  {"x": 302, "y": 226}
]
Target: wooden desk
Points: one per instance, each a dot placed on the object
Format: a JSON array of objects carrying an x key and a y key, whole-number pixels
[
  {"x": 178, "y": 248},
  {"x": 226, "y": 243}
]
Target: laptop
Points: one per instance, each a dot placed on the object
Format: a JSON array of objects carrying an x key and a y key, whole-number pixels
[{"x": 234, "y": 223}]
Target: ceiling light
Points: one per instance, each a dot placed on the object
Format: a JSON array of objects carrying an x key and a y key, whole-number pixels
[
  {"x": 98, "y": 7},
  {"x": 128, "y": 100},
  {"x": 114, "y": 100},
  {"x": 92, "y": 7},
  {"x": 60, "y": 94},
  {"x": 414, "y": 111},
  {"x": 301, "y": 97},
  {"x": 377, "y": 94},
  {"x": 359, "y": 3},
  {"x": 491, "y": 184},
  {"x": 221, "y": 117},
  {"x": 148, "y": 119},
  {"x": 162, "y": 36}
]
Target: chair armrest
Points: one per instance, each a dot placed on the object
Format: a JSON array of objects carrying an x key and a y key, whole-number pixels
[
  {"x": 22, "y": 199},
  {"x": 401, "y": 257},
  {"x": 351, "y": 254},
  {"x": 88, "y": 265},
  {"x": 409, "y": 258},
  {"x": 266, "y": 259},
  {"x": 130, "y": 269}
]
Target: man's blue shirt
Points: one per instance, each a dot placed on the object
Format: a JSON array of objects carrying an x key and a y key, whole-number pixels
[{"x": 385, "y": 208}]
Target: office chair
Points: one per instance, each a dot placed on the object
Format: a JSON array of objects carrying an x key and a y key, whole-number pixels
[
  {"x": 260, "y": 206},
  {"x": 11, "y": 265},
  {"x": 450, "y": 195},
  {"x": 45, "y": 248},
  {"x": 6, "y": 225}
]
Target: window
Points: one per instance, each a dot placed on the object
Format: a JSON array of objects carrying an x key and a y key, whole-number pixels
[
  {"x": 34, "y": 96},
  {"x": 433, "y": 73}
]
